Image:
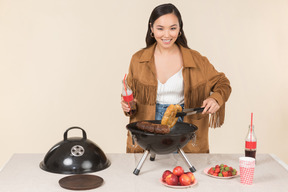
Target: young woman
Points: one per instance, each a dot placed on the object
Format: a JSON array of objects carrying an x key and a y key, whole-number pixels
[{"x": 168, "y": 72}]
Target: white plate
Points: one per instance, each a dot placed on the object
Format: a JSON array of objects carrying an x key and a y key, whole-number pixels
[
  {"x": 179, "y": 186},
  {"x": 207, "y": 169}
]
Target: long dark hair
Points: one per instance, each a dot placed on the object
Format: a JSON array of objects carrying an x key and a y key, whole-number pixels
[{"x": 158, "y": 12}]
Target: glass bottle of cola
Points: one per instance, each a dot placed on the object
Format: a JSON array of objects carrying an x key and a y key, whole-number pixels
[
  {"x": 127, "y": 95},
  {"x": 250, "y": 143}
]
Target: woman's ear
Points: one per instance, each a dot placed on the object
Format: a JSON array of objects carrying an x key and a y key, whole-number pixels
[{"x": 151, "y": 27}]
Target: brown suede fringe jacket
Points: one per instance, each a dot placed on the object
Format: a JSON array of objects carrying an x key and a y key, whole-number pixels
[{"x": 201, "y": 81}]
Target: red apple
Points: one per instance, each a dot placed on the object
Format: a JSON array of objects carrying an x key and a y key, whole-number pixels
[
  {"x": 192, "y": 177},
  {"x": 165, "y": 174},
  {"x": 172, "y": 179},
  {"x": 178, "y": 171},
  {"x": 184, "y": 180}
]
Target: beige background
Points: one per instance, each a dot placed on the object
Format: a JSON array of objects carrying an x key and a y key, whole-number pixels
[{"x": 62, "y": 62}]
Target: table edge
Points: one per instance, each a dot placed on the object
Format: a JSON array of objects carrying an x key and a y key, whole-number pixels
[{"x": 276, "y": 158}]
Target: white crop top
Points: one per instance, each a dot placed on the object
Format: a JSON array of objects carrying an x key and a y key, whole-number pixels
[{"x": 172, "y": 91}]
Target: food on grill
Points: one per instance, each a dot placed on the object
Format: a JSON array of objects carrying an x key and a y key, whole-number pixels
[
  {"x": 168, "y": 121},
  {"x": 152, "y": 127},
  {"x": 169, "y": 117}
]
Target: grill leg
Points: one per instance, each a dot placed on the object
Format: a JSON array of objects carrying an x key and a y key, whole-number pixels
[
  {"x": 191, "y": 168},
  {"x": 152, "y": 156},
  {"x": 137, "y": 169}
]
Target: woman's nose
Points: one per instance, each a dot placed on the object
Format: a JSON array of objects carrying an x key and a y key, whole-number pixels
[{"x": 166, "y": 33}]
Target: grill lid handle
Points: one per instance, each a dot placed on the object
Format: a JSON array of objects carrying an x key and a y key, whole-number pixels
[{"x": 83, "y": 132}]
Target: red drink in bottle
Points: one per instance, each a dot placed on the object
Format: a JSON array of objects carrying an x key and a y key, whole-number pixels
[
  {"x": 127, "y": 95},
  {"x": 251, "y": 143}
]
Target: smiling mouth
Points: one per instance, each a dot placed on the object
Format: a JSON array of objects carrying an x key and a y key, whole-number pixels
[{"x": 166, "y": 40}]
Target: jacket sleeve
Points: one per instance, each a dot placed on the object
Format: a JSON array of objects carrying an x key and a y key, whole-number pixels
[
  {"x": 220, "y": 91},
  {"x": 218, "y": 82}
]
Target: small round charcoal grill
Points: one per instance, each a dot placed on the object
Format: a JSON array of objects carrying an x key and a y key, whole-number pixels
[{"x": 154, "y": 143}]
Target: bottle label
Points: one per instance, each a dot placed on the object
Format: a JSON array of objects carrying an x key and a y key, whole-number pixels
[
  {"x": 128, "y": 98},
  {"x": 250, "y": 144}
]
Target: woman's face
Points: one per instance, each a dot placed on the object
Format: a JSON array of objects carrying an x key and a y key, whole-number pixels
[{"x": 166, "y": 30}]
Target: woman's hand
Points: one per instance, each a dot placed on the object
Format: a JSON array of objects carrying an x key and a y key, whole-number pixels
[
  {"x": 124, "y": 105},
  {"x": 211, "y": 106}
]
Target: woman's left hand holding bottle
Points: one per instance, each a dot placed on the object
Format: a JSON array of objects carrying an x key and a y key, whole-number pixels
[
  {"x": 126, "y": 108},
  {"x": 127, "y": 100}
]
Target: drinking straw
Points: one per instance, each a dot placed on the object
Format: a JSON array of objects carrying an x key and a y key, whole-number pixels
[
  {"x": 125, "y": 84},
  {"x": 251, "y": 126}
]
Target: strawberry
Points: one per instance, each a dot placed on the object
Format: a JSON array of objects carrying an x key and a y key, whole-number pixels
[
  {"x": 225, "y": 173},
  {"x": 222, "y": 170},
  {"x": 211, "y": 171}
]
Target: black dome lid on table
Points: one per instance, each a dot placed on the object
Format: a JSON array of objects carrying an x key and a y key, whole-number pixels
[{"x": 75, "y": 155}]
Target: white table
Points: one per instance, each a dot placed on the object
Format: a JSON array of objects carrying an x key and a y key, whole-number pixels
[{"x": 22, "y": 173}]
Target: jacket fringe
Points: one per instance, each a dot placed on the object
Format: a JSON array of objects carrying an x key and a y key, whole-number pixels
[
  {"x": 145, "y": 94},
  {"x": 195, "y": 97},
  {"x": 217, "y": 119}
]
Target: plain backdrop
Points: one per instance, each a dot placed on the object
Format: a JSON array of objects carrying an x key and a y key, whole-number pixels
[{"x": 62, "y": 63}]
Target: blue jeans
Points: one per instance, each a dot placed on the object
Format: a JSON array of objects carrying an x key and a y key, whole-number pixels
[{"x": 160, "y": 110}]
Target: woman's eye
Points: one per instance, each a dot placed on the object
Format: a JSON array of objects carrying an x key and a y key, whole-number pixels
[
  {"x": 173, "y": 28},
  {"x": 160, "y": 29}
]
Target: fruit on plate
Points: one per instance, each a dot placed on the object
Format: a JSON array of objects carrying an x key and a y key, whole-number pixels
[
  {"x": 178, "y": 177},
  {"x": 184, "y": 180},
  {"x": 222, "y": 171},
  {"x": 191, "y": 175},
  {"x": 172, "y": 179},
  {"x": 165, "y": 174},
  {"x": 178, "y": 171}
]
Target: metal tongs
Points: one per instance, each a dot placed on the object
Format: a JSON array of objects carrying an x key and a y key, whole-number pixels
[{"x": 190, "y": 111}]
